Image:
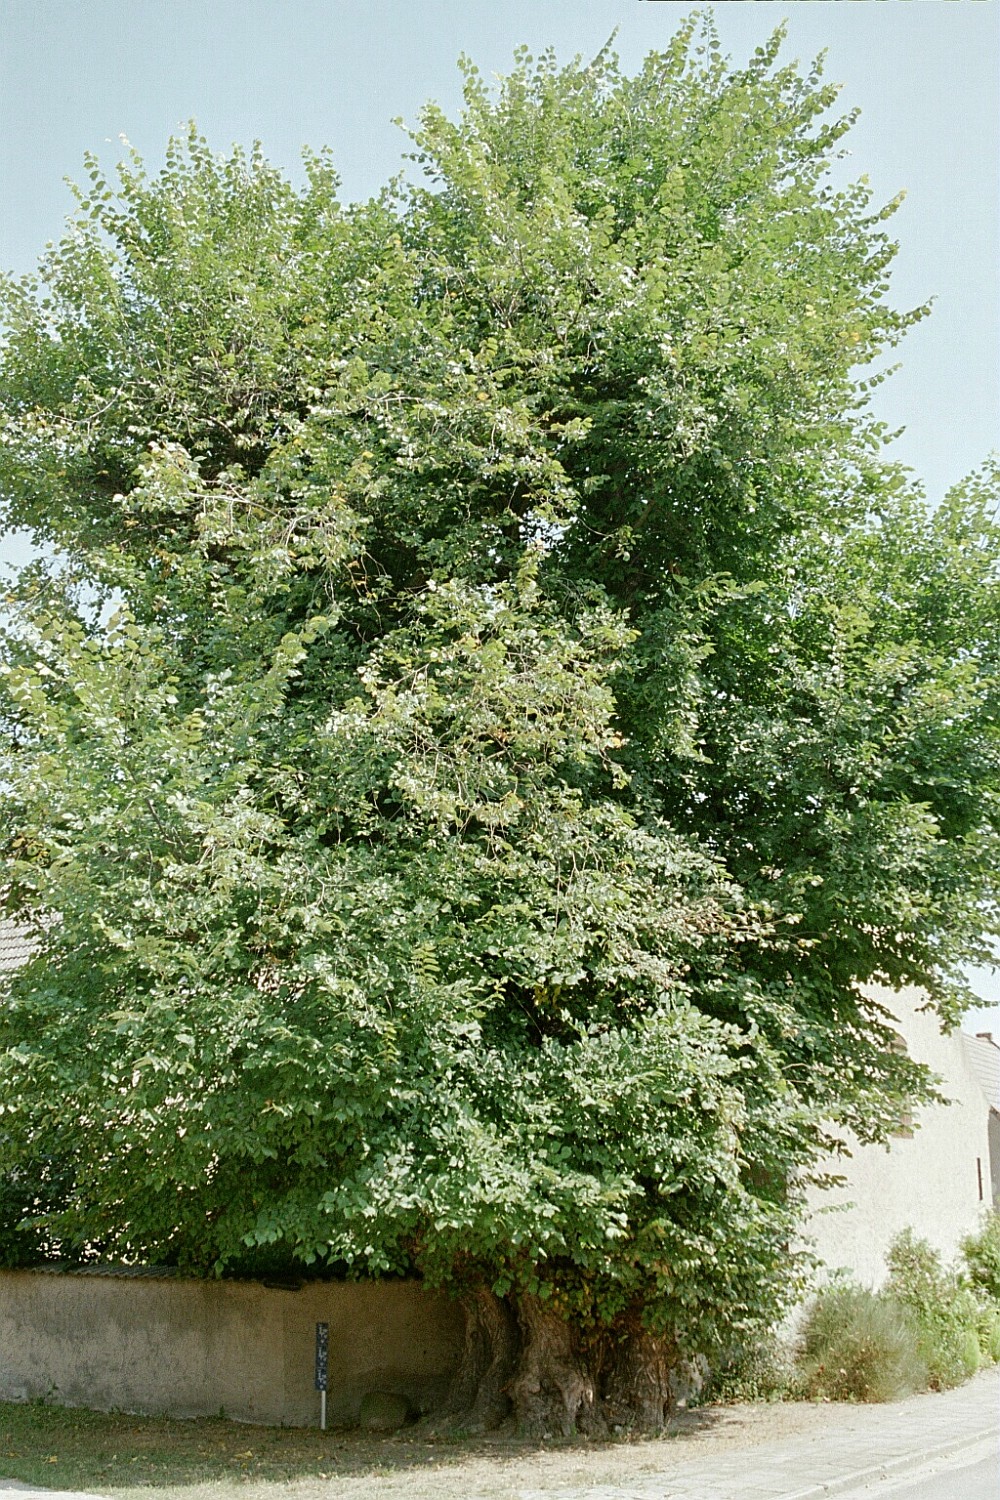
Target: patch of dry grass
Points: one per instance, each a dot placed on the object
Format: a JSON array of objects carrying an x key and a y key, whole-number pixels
[{"x": 128, "y": 1456}]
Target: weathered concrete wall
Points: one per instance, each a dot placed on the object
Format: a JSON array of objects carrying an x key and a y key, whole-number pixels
[
  {"x": 193, "y": 1348},
  {"x": 931, "y": 1182}
]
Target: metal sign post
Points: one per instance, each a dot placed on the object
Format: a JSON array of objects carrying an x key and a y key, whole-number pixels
[{"x": 322, "y": 1345}]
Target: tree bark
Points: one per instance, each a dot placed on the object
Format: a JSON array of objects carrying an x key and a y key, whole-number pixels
[
  {"x": 521, "y": 1362},
  {"x": 554, "y": 1390},
  {"x": 638, "y": 1385},
  {"x": 478, "y": 1399}
]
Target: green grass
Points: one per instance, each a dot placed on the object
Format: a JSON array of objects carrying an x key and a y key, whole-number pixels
[
  {"x": 160, "y": 1458},
  {"x": 64, "y": 1448}
]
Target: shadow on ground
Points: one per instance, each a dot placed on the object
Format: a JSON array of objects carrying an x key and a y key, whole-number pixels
[{"x": 64, "y": 1449}]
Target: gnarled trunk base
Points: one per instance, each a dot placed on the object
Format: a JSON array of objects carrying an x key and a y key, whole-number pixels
[
  {"x": 523, "y": 1365},
  {"x": 554, "y": 1390},
  {"x": 638, "y": 1388},
  {"x": 478, "y": 1399}
]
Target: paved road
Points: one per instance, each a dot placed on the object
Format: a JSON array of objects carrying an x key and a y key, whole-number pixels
[
  {"x": 980, "y": 1481},
  {"x": 970, "y": 1475}
]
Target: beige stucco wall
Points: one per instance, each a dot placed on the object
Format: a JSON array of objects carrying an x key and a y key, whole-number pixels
[
  {"x": 930, "y": 1182},
  {"x": 193, "y": 1348}
]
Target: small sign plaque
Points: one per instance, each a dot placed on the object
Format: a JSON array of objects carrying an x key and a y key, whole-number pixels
[{"x": 322, "y": 1345}]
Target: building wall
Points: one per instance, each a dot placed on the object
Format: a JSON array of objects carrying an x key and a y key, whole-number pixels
[
  {"x": 929, "y": 1182},
  {"x": 195, "y": 1348},
  {"x": 995, "y": 1158}
]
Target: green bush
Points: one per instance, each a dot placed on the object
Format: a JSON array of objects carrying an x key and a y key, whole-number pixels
[
  {"x": 981, "y": 1252},
  {"x": 762, "y": 1371},
  {"x": 929, "y": 1326},
  {"x": 945, "y": 1311},
  {"x": 858, "y": 1345},
  {"x": 27, "y": 1195},
  {"x": 989, "y": 1329}
]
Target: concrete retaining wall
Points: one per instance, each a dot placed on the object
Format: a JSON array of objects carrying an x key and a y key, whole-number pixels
[{"x": 195, "y": 1348}]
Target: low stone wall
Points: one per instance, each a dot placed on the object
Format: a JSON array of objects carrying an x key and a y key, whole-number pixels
[{"x": 197, "y": 1348}]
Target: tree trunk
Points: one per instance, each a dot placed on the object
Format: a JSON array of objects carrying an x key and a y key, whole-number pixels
[
  {"x": 522, "y": 1361},
  {"x": 478, "y": 1399},
  {"x": 554, "y": 1391},
  {"x": 638, "y": 1386}
]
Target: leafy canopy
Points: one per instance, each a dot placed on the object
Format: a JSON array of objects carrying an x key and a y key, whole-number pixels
[{"x": 497, "y": 706}]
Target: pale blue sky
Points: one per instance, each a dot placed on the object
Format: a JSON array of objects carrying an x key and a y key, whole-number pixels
[{"x": 76, "y": 74}]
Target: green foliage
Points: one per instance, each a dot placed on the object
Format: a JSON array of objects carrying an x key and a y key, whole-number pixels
[
  {"x": 988, "y": 1330},
  {"x": 495, "y": 709},
  {"x": 945, "y": 1312},
  {"x": 29, "y": 1194},
  {"x": 925, "y": 1328},
  {"x": 981, "y": 1253},
  {"x": 858, "y": 1345},
  {"x": 761, "y": 1370}
]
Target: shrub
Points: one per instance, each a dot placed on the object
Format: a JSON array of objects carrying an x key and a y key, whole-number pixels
[
  {"x": 761, "y": 1371},
  {"x": 858, "y": 1345},
  {"x": 930, "y": 1325},
  {"x": 989, "y": 1329},
  {"x": 981, "y": 1252},
  {"x": 946, "y": 1312}
]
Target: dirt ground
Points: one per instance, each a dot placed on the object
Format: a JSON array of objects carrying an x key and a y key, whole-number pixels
[
  {"x": 502, "y": 1470},
  {"x": 130, "y": 1456}
]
